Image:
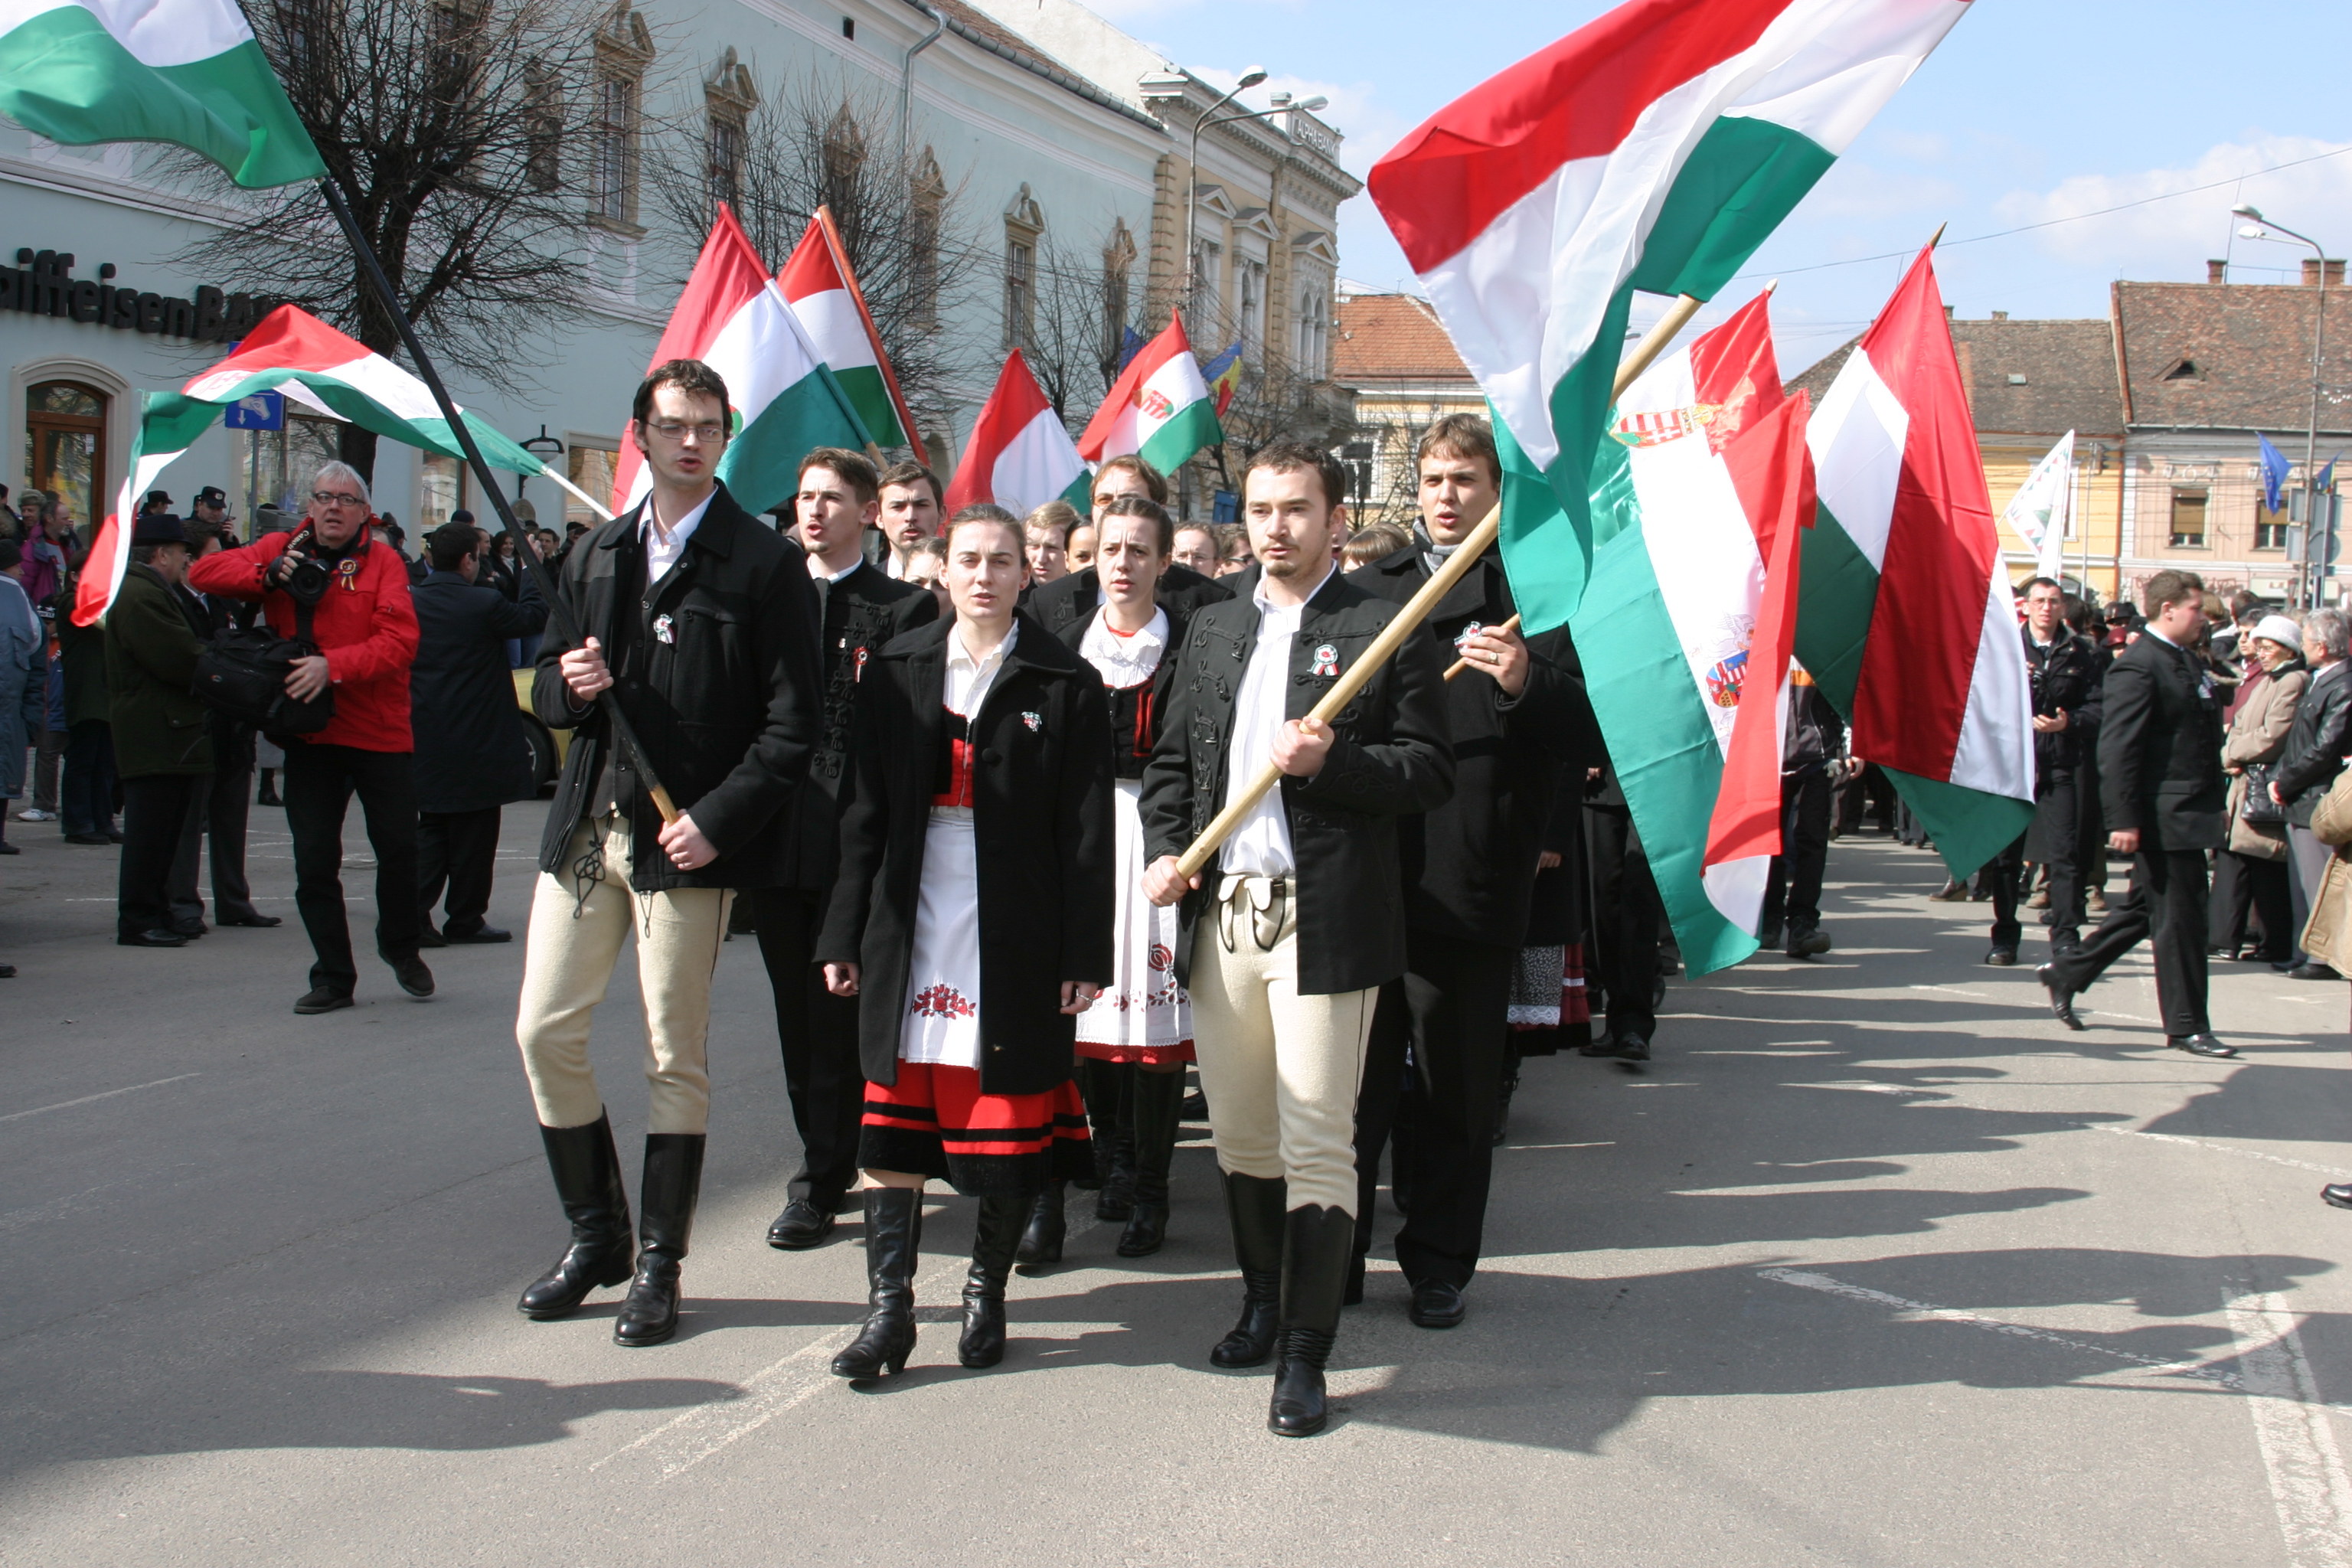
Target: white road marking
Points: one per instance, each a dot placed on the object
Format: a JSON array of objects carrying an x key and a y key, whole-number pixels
[
  {"x": 1953, "y": 989},
  {"x": 2217, "y": 1148},
  {"x": 2308, "y": 1484},
  {"x": 1609, "y": 1143},
  {"x": 91, "y": 1099}
]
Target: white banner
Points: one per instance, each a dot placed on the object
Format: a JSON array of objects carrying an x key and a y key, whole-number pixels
[{"x": 2039, "y": 511}]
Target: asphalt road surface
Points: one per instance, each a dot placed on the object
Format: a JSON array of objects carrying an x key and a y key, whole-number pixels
[{"x": 1873, "y": 1265}]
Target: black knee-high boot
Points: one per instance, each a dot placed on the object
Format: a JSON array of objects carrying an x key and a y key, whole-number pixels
[
  {"x": 1110, "y": 1120},
  {"x": 1255, "y": 1205},
  {"x": 1041, "y": 1243},
  {"x": 587, "y": 1170},
  {"x": 1317, "y": 1242},
  {"x": 994, "y": 1236},
  {"x": 665, "y": 1200},
  {"x": 894, "y": 1240},
  {"x": 1158, "y": 1100}
]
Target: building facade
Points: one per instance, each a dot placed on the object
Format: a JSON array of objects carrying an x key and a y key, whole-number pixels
[{"x": 1394, "y": 358}]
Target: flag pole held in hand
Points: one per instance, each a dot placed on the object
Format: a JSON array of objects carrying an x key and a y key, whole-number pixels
[{"x": 1408, "y": 620}]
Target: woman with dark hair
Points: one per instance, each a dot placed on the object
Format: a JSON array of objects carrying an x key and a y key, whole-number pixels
[
  {"x": 1134, "y": 1041},
  {"x": 973, "y": 912}
]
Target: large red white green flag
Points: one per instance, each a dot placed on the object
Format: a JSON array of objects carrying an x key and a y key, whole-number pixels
[
  {"x": 1905, "y": 617},
  {"x": 1653, "y": 149},
  {"x": 1019, "y": 455},
  {"x": 822, "y": 289}
]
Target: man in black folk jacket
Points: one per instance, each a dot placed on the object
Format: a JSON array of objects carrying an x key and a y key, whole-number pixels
[
  {"x": 2067, "y": 679},
  {"x": 1299, "y": 920},
  {"x": 2166, "y": 803},
  {"x": 1071, "y": 598},
  {"x": 701, "y": 622},
  {"x": 1469, "y": 866},
  {"x": 861, "y": 611},
  {"x": 471, "y": 757}
]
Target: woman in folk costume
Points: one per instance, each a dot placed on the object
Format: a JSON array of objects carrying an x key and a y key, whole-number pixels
[
  {"x": 1138, "y": 1035},
  {"x": 974, "y": 912}
]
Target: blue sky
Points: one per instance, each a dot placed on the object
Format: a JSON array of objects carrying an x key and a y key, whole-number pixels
[{"x": 2028, "y": 113}]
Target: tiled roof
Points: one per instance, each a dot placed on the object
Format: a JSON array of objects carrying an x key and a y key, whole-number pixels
[
  {"x": 1393, "y": 338},
  {"x": 2068, "y": 370},
  {"x": 2232, "y": 357}
]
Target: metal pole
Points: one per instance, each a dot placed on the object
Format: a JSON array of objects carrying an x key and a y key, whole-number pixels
[
  {"x": 559, "y": 614},
  {"x": 1192, "y": 185}
]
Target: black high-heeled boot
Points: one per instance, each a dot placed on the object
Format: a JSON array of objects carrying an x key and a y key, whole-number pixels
[
  {"x": 1254, "y": 1205},
  {"x": 666, "y": 1199},
  {"x": 1106, "y": 1086},
  {"x": 1041, "y": 1243},
  {"x": 894, "y": 1240},
  {"x": 994, "y": 1236},
  {"x": 1159, "y": 1101},
  {"x": 587, "y": 1170},
  {"x": 1317, "y": 1244}
]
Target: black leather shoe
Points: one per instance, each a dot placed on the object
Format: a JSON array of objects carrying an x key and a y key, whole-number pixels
[
  {"x": 894, "y": 1239},
  {"x": 88, "y": 839},
  {"x": 2315, "y": 970},
  {"x": 1769, "y": 936},
  {"x": 320, "y": 999},
  {"x": 254, "y": 918},
  {"x": 428, "y": 937},
  {"x": 801, "y": 1224},
  {"x": 151, "y": 938},
  {"x": 2337, "y": 1192},
  {"x": 668, "y": 1191},
  {"x": 414, "y": 977},
  {"x": 1041, "y": 1241},
  {"x": 1603, "y": 1043},
  {"x": 587, "y": 1172},
  {"x": 2061, "y": 1001},
  {"x": 1436, "y": 1305},
  {"x": 2001, "y": 957},
  {"x": 485, "y": 935},
  {"x": 191, "y": 928},
  {"x": 2200, "y": 1046},
  {"x": 1629, "y": 1047},
  {"x": 1808, "y": 941},
  {"x": 1254, "y": 1206}
]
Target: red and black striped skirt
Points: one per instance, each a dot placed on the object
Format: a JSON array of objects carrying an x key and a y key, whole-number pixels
[{"x": 936, "y": 1122}]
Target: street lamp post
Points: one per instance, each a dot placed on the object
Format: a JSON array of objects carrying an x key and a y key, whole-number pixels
[
  {"x": 1192, "y": 186},
  {"x": 2315, "y": 533}
]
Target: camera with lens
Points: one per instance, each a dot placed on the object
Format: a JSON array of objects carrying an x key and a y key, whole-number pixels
[{"x": 306, "y": 578}]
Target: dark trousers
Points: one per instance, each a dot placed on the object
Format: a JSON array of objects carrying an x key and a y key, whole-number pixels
[
  {"x": 1448, "y": 1016},
  {"x": 85, "y": 794},
  {"x": 459, "y": 849},
  {"x": 2247, "y": 885},
  {"x": 319, "y": 783},
  {"x": 2059, "y": 824},
  {"x": 818, "y": 1034},
  {"x": 155, "y": 808},
  {"x": 219, "y": 811},
  {"x": 2167, "y": 907},
  {"x": 1792, "y": 890},
  {"x": 1626, "y": 917}
]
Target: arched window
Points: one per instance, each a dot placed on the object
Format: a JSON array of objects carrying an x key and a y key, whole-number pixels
[{"x": 64, "y": 444}]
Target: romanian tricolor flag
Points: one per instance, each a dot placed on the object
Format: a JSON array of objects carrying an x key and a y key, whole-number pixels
[{"x": 1224, "y": 375}]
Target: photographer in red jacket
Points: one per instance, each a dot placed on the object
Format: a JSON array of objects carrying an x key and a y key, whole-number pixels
[{"x": 364, "y": 626}]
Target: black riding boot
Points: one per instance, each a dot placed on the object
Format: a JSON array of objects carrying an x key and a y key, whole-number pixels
[
  {"x": 1107, "y": 1088},
  {"x": 1315, "y": 1248},
  {"x": 665, "y": 1197},
  {"x": 1254, "y": 1205},
  {"x": 894, "y": 1240},
  {"x": 1159, "y": 1101},
  {"x": 587, "y": 1170},
  {"x": 1040, "y": 1244},
  {"x": 994, "y": 1236}
]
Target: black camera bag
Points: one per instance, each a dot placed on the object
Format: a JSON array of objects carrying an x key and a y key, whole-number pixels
[{"x": 243, "y": 674}]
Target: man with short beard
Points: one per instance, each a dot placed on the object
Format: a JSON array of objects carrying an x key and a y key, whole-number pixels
[{"x": 1296, "y": 921}]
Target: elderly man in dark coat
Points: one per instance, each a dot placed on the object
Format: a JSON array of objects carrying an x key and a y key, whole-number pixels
[
  {"x": 162, "y": 738},
  {"x": 471, "y": 757}
]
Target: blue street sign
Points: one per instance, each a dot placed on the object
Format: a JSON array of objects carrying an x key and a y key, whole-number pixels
[{"x": 261, "y": 411}]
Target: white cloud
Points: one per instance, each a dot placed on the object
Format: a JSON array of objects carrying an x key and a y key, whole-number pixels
[{"x": 2171, "y": 238}]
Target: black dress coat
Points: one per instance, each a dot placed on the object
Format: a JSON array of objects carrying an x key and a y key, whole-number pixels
[
  {"x": 1042, "y": 825},
  {"x": 2316, "y": 745},
  {"x": 1139, "y": 712},
  {"x": 2160, "y": 750},
  {"x": 1071, "y": 601},
  {"x": 729, "y": 708},
  {"x": 470, "y": 751},
  {"x": 1391, "y": 758},
  {"x": 1469, "y": 866},
  {"x": 864, "y": 613}
]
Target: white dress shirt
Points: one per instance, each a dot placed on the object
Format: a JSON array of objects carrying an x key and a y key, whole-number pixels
[
  {"x": 969, "y": 679},
  {"x": 1124, "y": 658},
  {"x": 662, "y": 553},
  {"x": 1260, "y": 847}
]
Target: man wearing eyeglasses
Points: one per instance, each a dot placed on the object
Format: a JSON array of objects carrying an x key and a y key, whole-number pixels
[
  {"x": 364, "y": 627},
  {"x": 701, "y": 624}
]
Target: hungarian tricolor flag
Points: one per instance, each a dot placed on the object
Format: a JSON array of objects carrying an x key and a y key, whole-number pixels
[
  {"x": 1699, "y": 496},
  {"x": 314, "y": 364},
  {"x": 188, "y": 72},
  {"x": 782, "y": 399},
  {"x": 1906, "y": 619},
  {"x": 822, "y": 289},
  {"x": 1019, "y": 455},
  {"x": 1653, "y": 149},
  {"x": 1159, "y": 409}
]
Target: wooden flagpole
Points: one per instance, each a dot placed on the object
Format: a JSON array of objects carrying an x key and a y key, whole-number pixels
[{"x": 1408, "y": 621}]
